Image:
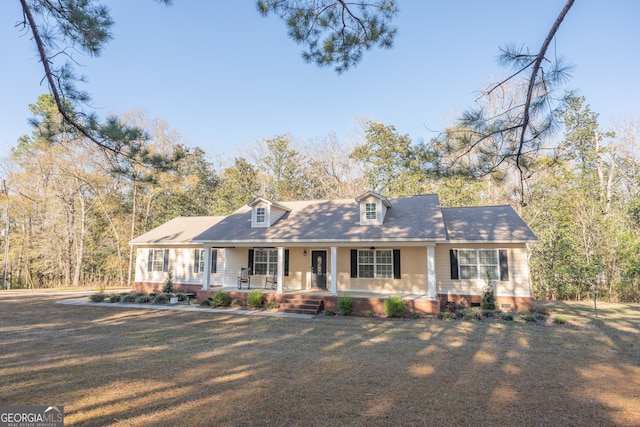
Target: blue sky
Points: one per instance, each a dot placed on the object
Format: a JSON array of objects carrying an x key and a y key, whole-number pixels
[{"x": 223, "y": 76}]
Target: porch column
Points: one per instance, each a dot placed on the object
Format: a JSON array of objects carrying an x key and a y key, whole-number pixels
[
  {"x": 280, "y": 269},
  {"x": 334, "y": 271},
  {"x": 206, "y": 275},
  {"x": 431, "y": 270}
]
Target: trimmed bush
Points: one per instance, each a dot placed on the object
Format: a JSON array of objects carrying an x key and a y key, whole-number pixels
[
  {"x": 181, "y": 296},
  {"x": 128, "y": 298},
  {"x": 115, "y": 298},
  {"x": 394, "y": 307},
  {"x": 346, "y": 305},
  {"x": 161, "y": 299},
  {"x": 99, "y": 297},
  {"x": 221, "y": 299},
  {"x": 367, "y": 313},
  {"x": 508, "y": 317},
  {"x": 206, "y": 303},
  {"x": 416, "y": 315},
  {"x": 237, "y": 303},
  {"x": 254, "y": 299},
  {"x": 273, "y": 305},
  {"x": 143, "y": 299},
  {"x": 446, "y": 315},
  {"x": 560, "y": 320}
]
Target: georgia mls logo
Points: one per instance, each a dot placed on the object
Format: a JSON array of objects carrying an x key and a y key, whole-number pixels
[{"x": 32, "y": 416}]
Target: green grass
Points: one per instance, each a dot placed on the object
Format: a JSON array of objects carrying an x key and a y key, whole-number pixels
[{"x": 138, "y": 367}]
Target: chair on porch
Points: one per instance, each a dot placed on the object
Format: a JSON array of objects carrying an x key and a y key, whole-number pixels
[
  {"x": 271, "y": 282},
  {"x": 244, "y": 277}
]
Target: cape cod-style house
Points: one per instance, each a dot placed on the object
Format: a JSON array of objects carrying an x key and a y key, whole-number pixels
[{"x": 369, "y": 247}]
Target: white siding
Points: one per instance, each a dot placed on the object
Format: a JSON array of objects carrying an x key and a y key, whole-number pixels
[{"x": 517, "y": 285}]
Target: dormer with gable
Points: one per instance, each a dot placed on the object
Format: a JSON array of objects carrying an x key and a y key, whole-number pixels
[
  {"x": 265, "y": 213},
  {"x": 373, "y": 208}
]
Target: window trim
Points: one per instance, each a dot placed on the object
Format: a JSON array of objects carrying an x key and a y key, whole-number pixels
[
  {"x": 370, "y": 214},
  {"x": 501, "y": 266},
  {"x": 271, "y": 253},
  {"x": 375, "y": 256},
  {"x": 153, "y": 262},
  {"x": 261, "y": 213}
]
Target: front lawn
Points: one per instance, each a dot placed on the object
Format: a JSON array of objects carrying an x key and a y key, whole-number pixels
[{"x": 134, "y": 367}]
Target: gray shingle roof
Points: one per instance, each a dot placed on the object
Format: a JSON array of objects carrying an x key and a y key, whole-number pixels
[
  {"x": 182, "y": 229},
  {"x": 410, "y": 218},
  {"x": 413, "y": 218},
  {"x": 486, "y": 224}
]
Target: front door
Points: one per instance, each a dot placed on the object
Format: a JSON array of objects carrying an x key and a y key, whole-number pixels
[{"x": 319, "y": 269}]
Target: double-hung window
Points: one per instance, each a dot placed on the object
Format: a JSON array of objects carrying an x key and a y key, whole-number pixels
[
  {"x": 261, "y": 215},
  {"x": 198, "y": 262},
  {"x": 371, "y": 211},
  {"x": 479, "y": 264},
  {"x": 265, "y": 262},
  {"x": 375, "y": 263},
  {"x": 158, "y": 260}
]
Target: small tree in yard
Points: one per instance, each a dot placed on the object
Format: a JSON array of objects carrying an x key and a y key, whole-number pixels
[
  {"x": 489, "y": 299},
  {"x": 168, "y": 283}
]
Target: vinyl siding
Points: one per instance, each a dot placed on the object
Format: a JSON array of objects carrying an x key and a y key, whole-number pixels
[
  {"x": 181, "y": 260},
  {"x": 517, "y": 285}
]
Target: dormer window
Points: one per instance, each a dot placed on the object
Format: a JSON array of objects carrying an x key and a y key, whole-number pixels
[
  {"x": 371, "y": 211},
  {"x": 261, "y": 215},
  {"x": 373, "y": 208},
  {"x": 265, "y": 213}
]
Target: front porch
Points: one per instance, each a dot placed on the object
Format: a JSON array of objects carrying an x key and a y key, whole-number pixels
[{"x": 371, "y": 301}]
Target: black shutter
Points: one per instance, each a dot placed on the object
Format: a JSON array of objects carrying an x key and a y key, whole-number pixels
[
  {"x": 250, "y": 262},
  {"x": 214, "y": 260},
  {"x": 150, "y": 264},
  {"x": 165, "y": 264},
  {"x": 286, "y": 262},
  {"x": 196, "y": 260},
  {"x": 453, "y": 259},
  {"x": 504, "y": 265},
  {"x": 354, "y": 263},
  {"x": 396, "y": 264}
]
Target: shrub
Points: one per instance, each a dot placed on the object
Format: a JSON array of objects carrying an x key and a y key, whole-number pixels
[
  {"x": 115, "y": 298},
  {"x": 221, "y": 299},
  {"x": 273, "y": 305},
  {"x": 181, "y": 296},
  {"x": 539, "y": 309},
  {"x": 143, "y": 299},
  {"x": 453, "y": 307},
  {"x": 128, "y": 298},
  {"x": 488, "y": 313},
  {"x": 346, "y": 305},
  {"x": 206, "y": 303},
  {"x": 168, "y": 283},
  {"x": 506, "y": 316},
  {"x": 329, "y": 312},
  {"x": 417, "y": 315},
  {"x": 367, "y": 313},
  {"x": 560, "y": 320},
  {"x": 446, "y": 315},
  {"x": 394, "y": 307},
  {"x": 254, "y": 299},
  {"x": 99, "y": 297},
  {"x": 471, "y": 313},
  {"x": 237, "y": 303},
  {"x": 489, "y": 299},
  {"x": 161, "y": 299}
]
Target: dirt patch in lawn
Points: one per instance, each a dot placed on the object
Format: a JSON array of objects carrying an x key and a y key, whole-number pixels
[{"x": 133, "y": 367}]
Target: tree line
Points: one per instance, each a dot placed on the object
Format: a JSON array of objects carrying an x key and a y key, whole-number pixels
[{"x": 70, "y": 210}]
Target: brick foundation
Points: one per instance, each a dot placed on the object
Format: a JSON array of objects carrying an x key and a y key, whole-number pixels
[{"x": 504, "y": 303}]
